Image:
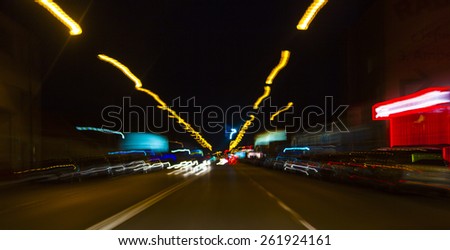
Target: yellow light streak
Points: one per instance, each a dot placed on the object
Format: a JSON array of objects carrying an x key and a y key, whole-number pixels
[
  {"x": 310, "y": 13},
  {"x": 162, "y": 105},
  {"x": 155, "y": 96},
  {"x": 261, "y": 98},
  {"x": 189, "y": 129},
  {"x": 56, "y": 11},
  {"x": 289, "y": 105},
  {"x": 122, "y": 67},
  {"x": 241, "y": 133},
  {"x": 285, "y": 54}
]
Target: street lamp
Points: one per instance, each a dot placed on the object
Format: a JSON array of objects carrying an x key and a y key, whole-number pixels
[
  {"x": 310, "y": 13},
  {"x": 56, "y": 11}
]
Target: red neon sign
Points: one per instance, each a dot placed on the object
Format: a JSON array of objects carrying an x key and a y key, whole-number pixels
[{"x": 422, "y": 101}]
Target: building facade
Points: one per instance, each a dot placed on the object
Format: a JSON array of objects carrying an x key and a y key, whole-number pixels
[
  {"x": 396, "y": 48},
  {"x": 20, "y": 87}
]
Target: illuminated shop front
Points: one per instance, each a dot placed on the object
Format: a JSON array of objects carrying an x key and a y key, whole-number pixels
[{"x": 418, "y": 119}]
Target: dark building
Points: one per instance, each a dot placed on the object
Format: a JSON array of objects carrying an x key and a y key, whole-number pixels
[
  {"x": 20, "y": 92},
  {"x": 398, "y": 47}
]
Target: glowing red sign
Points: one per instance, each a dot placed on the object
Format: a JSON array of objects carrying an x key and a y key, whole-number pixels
[{"x": 422, "y": 101}]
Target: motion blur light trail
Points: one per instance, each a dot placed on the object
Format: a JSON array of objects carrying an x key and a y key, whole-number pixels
[
  {"x": 122, "y": 67},
  {"x": 418, "y": 101},
  {"x": 222, "y": 162},
  {"x": 310, "y": 13},
  {"x": 127, "y": 152},
  {"x": 127, "y": 72},
  {"x": 233, "y": 131},
  {"x": 56, "y": 11},
  {"x": 205, "y": 166},
  {"x": 47, "y": 168},
  {"x": 241, "y": 133},
  {"x": 181, "y": 150},
  {"x": 102, "y": 130},
  {"x": 296, "y": 149},
  {"x": 261, "y": 98},
  {"x": 285, "y": 54},
  {"x": 188, "y": 168},
  {"x": 289, "y": 105},
  {"x": 183, "y": 164},
  {"x": 162, "y": 105},
  {"x": 188, "y": 128}
]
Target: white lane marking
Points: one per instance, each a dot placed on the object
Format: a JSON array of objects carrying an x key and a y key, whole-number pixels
[
  {"x": 121, "y": 217},
  {"x": 280, "y": 203}
]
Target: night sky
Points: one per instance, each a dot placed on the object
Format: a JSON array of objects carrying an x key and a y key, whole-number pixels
[{"x": 219, "y": 52}]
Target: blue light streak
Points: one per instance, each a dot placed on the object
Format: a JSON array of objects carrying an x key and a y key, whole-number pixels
[
  {"x": 296, "y": 149},
  {"x": 233, "y": 131},
  {"x": 102, "y": 130}
]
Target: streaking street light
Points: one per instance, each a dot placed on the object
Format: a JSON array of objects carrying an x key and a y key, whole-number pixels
[
  {"x": 261, "y": 98},
  {"x": 162, "y": 105},
  {"x": 56, "y": 11},
  {"x": 123, "y": 68},
  {"x": 310, "y": 13},
  {"x": 285, "y": 54},
  {"x": 241, "y": 133},
  {"x": 289, "y": 105}
]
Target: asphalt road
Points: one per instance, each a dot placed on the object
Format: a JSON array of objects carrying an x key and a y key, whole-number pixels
[{"x": 227, "y": 197}]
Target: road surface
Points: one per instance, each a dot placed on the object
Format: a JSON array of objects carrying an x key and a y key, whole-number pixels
[{"x": 241, "y": 196}]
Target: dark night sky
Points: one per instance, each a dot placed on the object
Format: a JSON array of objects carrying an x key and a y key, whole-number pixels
[{"x": 219, "y": 52}]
